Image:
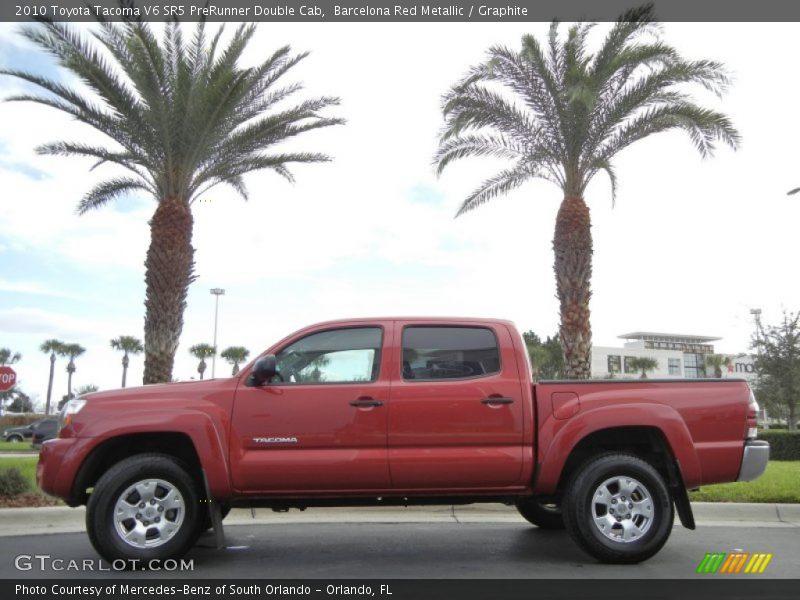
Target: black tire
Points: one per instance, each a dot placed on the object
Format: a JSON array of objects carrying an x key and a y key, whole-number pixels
[
  {"x": 16, "y": 439},
  {"x": 543, "y": 515},
  {"x": 108, "y": 491},
  {"x": 590, "y": 496}
]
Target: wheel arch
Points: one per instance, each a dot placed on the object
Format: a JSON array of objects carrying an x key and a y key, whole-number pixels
[
  {"x": 647, "y": 442},
  {"x": 112, "y": 450}
]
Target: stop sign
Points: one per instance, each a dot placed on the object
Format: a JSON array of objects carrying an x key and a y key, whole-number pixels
[{"x": 8, "y": 378}]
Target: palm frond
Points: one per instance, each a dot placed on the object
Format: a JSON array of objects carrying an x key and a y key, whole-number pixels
[
  {"x": 498, "y": 146},
  {"x": 502, "y": 183},
  {"x": 109, "y": 190}
]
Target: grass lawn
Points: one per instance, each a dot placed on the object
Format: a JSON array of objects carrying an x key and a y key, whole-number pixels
[
  {"x": 16, "y": 447},
  {"x": 780, "y": 483}
]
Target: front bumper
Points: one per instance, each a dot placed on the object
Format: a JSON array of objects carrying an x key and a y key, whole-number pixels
[
  {"x": 54, "y": 471},
  {"x": 754, "y": 460}
]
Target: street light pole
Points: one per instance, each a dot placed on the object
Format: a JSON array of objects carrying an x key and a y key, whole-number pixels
[
  {"x": 216, "y": 292},
  {"x": 756, "y": 312}
]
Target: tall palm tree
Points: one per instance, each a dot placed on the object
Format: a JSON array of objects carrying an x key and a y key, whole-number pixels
[
  {"x": 235, "y": 355},
  {"x": 73, "y": 351},
  {"x": 129, "y": 345},
  {"x": 9, "y": 358},
  {"x": 184, "y": 117},
  {"x": 561, "y": 113},
  {"x": 716, "y": 362},
  {"x": 202, "y": 352},
  {"x": 643, "y": 364},
  {"x": 54, "y": 348}
]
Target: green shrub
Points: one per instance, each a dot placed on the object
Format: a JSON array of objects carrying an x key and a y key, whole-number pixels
[
  {"x": 12, "y": 482},
  {"x": 784, "y": 445}
]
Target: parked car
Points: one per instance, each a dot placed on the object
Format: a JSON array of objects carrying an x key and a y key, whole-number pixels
[
  {"x": 46, "y": 429},
  {"x": 20, "y": 434},
  {"x": 393, "y": 412}
]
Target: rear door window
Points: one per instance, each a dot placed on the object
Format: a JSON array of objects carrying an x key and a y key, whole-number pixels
[{"x": 437, "y": 353}]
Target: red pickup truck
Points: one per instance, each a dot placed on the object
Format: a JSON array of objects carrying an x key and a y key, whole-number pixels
[{"x": 400, "y": 411}]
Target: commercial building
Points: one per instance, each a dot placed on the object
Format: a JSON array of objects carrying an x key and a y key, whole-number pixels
[{"x": 677, "y": 356}]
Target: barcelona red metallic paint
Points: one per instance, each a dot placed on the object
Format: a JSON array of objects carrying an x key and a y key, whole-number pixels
[{"x": 426, "y": 437}]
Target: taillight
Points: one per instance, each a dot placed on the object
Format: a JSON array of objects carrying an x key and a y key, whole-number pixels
[{"x": 752, "y": 417}]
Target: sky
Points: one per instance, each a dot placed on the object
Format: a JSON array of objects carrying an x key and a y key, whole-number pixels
[{"x": 690, "y": 246}]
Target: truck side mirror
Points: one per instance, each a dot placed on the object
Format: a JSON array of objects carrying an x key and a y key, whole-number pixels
[{"x": 263, "y": 371}]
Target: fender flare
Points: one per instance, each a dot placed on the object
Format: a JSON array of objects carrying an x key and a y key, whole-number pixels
[
  {"x": 661, "y": 417},
  {"x": 202, "y": 430}
]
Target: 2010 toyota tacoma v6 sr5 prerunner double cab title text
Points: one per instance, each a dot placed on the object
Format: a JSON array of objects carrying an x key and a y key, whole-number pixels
[{"x": 400, "y": 411}]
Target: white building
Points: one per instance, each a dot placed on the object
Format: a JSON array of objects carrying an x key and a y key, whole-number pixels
[{"x": 677, "y": 356}]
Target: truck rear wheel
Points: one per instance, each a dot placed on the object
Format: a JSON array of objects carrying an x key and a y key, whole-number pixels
[
  {"x": 618, "y": 509},
  {"x": 543, "y": 515},
  {"x": 144, "y": 508}
]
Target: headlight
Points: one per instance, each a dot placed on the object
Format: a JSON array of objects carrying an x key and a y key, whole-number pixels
[{"x": 71, "y": 408}]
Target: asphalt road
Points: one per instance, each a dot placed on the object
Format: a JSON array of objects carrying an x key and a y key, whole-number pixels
[{"x": 416, "y": 550}]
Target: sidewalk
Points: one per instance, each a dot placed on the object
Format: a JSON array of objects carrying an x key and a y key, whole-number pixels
[{"x": 58, "y": 519}]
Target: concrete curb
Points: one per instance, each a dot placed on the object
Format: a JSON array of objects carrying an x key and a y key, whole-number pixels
[{"x": 61, "y": 519}]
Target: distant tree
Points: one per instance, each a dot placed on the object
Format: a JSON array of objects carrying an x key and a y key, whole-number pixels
[
  {"x": 54, "y": 348},
  {"x": 547, "y": 357},
  {"x": 9, "y": 358},
  {"x": 73, "y": 351},
  {"x": 129, "y": 345},
  {"x": 716, "y": 362},
  {"x": 20, "y": 402},
  {"x": 202, "y": 351},
  {"x": 235, "y": 355},
  {"x": 778, "y": 364},
  {"x": 643, "y": 364}
]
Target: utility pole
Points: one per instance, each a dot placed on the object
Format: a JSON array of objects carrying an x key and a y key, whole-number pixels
[{"x": 216, "y": 292}]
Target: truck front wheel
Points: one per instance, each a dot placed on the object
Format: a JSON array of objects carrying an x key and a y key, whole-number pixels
[
  {"x": 618, "y": 509},
  {"x": 144, "y": 508}
]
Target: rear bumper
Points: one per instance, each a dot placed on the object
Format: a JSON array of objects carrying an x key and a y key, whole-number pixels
[{"x": 754, "y": 460}]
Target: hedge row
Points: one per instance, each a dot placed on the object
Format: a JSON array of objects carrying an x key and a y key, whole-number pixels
[
  {"x": 7, "y": 421},
  {"x": 784, "y": 445}
]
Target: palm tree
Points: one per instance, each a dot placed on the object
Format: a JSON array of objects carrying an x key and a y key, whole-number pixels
[
  {"x": 129, "y": 345},
  {"x": 184, "y": 117},
  {"x": 561, "y": 113},
  {"x": 202, "y": 351},
  {"x": 73, "y": 351},
  {"x": 54, "y": 348},
  {"x": 643, "y": 364},
  {"x": 9, "y": 358},
  {"x": 716, "y": 362},
  {"x": 235, "y": 355}
]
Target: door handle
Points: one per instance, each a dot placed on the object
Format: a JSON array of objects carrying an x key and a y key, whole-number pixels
[
  {"x": 366, "y": 403},
  {"x": 497, "y": 400}
]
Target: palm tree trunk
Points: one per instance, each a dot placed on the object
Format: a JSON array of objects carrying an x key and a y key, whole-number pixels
[
  {"x": 125, "y": 363},
  {"x": 168, "y": 272},
  {"x": 572, "y": 244},
  {"x": 70, "y": 371},
  {"x": 50, "y": 382}
]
